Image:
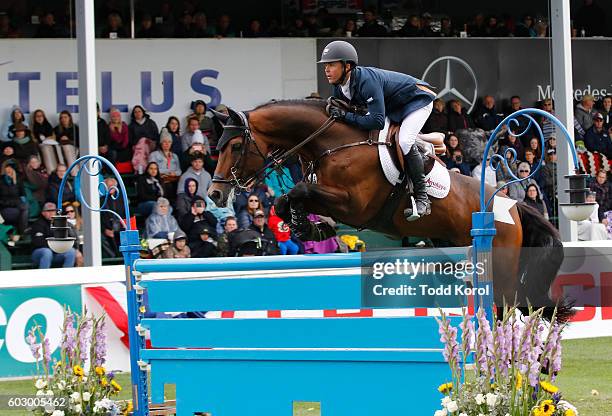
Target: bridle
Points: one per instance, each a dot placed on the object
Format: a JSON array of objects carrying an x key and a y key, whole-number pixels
[{"x": 273, "y": 160}]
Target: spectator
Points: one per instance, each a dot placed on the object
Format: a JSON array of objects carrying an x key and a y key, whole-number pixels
[
  {"x": 534, "y": 199},
  {"x": 526, "y": 28},
  {"x": 67, "y": 134},
  {"x": 55, "y": 180},
  {"x": 530, "y": 159},
  {"x": 149, "y": 188},
  {"x": 114, "y": 27},
  {"x": 110, "y": 224},
  {"x": 446, "y": 28},
  {"x": 220, "y": 213},
  {"x": 8, "y": 153},
  {"x": 501, "y": 185},
  {"x": 426, "y": 29},
  {"x": 23, "y": 145},
  {"x": 548, "y": 178},
  {"x": 438, "y": 120},
  {"x": 223, "y": 244},
  {"x": 42, "y": 132},
  {"x": 104, "y": 140},
  {"x": 412, "y": 28},
  {"x": 592, "y": 229},
  {"x": 541, "y": 28},
  {"x": 13, "y": 208},
  {"x": 246, "y": 215},
  {"x": 371, "y": 28},
  {"x": 168, "y": 162},
  {"x": 161, "y": 222},
  {"x": 6, "y": 28},
  {"x": 495, "y": 29},
  {"x": 282, "y": 233},
  {"x": 148, "y": 29},
  {"x": 523, "y": 122},
  {"x": 591, "y": 18},
  {"x": 486, "y": 117},
  {"x": 179, "y": 248},
  {"x": 279, "y": 180},
  {"x": 452, "y": 143},
  {"x": 16, "y": 118},
  {"x": 205, "y": 246},
  {"x": 197, "y": 172},
  {"x": 458, "y": 118},
  {"x": 206, "y": 125},
  {"x": 199, "y": 27},
  {"x": 457, "y": 162},
  {"x": 348, "y": 30},
  {"x": 193, "y": 135},
  {"x": 548, "y": 127},
  {"x": 312, "y": 25},
  {"x": 42, "y": 256},
  {"x": 268, "y": 241},
  {"x": 183, "y": 29},
  {"x": 119, "y": 136},
  {"x": 534, "y": 146},
  {"x": 200, "y": 217},
  {"x": 584, "y": 112},
  {"x": 37, "y": 179},
  {"x": 329, "y": 23},
  {"x": 142, "y": 126},
  {"x": 74, "y": 221},
  {"x": 223, "y": 28},
  {"x": 511, "y": 141},
  {"x": 299, "y": 30},
  {"x": 606, "y": 111},
  {"x": 490, "y": 174},
  {"x": 254, "y": 30},
  {"x": 596, "y": 138},
  {"x": 184, "y": 199},
  {"x": 516, "y": 190},
  {"x": 477, "y": 28},
  {"x": 603, "y": 190},
  {"x": 174, "y": 128},
  {"x": 48, "y": 28},
  {"x": 74, "y": 218}
]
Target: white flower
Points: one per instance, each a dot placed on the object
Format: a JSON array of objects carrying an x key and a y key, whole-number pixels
[
  {"x": 86, "y": 396},
  {"x": 440, "y": 412},
  {"x": 40, "y": 393},
  {"x": 84, "y": 379},
  {"x": 479, "y": 399},
  {"x": 452, "y": 406},
  {"x": 40, "y": 383},
  {"x": 58, "y": 413},
  {"x": 491, "y": 399},
  {"x": 77, "y": 408},
  {"x": 61, "y": 385},
  {"x": 76, "y": 397},
  {"x": 445, "y": 401},
  {"x": 567, "y": 405},
  {"x": 49, "y": 393},
  {"x": 463, "y": 414}
]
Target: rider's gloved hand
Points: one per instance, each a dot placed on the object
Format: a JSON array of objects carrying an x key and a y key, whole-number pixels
[{"x": 337, "y": 113}]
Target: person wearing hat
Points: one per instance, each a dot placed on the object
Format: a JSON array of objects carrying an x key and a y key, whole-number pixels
[
  {"x": 198, "y": 217},
  {"x": 179, "y": 248},
  {"x": 205, "y": 245},
  {"x": 382, "y": 94},
  {"x": 23, "y": 145},
  {"x": 161, "y": 223},
  {"x": 16, "y": 117},
  {"x": 584, "y": 112},
  {"x": 197, "y": 172},
  {"x": 597, "y": 139},
  {"x": 268, "y": 240},
  {"x": 42, "y": 256},
  {"x": 13, "y": 209},
  {"x": 168, "y": 163}
]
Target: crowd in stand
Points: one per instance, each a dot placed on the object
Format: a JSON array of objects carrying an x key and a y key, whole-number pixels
[
  {"x": 172, "y": 169},
  {"x": 190, "y": 20}
]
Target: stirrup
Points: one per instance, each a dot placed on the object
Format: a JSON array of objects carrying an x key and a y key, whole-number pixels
[{"x": 412, "y": 214}]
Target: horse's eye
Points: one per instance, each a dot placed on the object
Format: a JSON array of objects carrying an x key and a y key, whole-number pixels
[{"x": 236, "y": 147}]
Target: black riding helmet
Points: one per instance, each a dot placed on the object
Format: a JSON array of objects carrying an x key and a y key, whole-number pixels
[{"x": 339, "y": 51}]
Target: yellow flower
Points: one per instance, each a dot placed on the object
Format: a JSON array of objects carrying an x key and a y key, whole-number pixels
[
  {"x": 569, "y": 412},
  {"x": 445, "y": 388},
  {"x": 115, "y": 385},
  {"x": 548, "y": 387},
  {"x": 104, "y": 382},
  {"x": 537, "y": 412},
  {"x": 129, "y": 408},
  {"x": 100, "y": 371},
  {"x": 519, "y": 381},
  {"x": 78, "y": 371},
  {"x": 547, "y": 407}
]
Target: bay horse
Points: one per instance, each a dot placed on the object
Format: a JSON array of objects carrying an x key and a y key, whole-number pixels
[{"x": 351, "y": 188}]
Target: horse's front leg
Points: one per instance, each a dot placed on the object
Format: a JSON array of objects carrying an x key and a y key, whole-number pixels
[{"x": 305, "y": 198}]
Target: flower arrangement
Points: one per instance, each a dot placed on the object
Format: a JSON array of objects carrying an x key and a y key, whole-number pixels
[
  {"x": 77, "y": 380},
  {"x": 513, "y": 371}
]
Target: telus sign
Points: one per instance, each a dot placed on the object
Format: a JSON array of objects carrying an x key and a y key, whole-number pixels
[{"x": 64, "y": 89}]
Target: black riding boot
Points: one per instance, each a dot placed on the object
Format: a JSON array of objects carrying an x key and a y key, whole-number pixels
[{"x": 413, "y": 165}]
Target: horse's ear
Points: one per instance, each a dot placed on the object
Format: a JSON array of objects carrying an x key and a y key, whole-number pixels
[
  {"x": 222, "y": 117},
  {"x": 233, "y": 115}
]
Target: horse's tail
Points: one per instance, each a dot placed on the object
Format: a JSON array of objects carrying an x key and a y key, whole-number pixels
[{"x": 541, "y": 258}]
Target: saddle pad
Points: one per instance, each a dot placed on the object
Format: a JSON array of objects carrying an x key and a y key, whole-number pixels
[{"x": 438, "y": 180}]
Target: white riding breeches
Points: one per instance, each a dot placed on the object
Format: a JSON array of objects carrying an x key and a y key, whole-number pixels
[{"x": 412, "y": 125}]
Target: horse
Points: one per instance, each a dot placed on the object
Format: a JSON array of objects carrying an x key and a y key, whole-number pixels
[{"x": 351, "y": 188}]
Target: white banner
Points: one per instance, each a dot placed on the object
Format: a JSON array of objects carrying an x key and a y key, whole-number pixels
[{"x": 163, "y": 75}]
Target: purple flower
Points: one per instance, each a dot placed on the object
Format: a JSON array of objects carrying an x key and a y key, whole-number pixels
[
  {"x": 448, "y": 336},
  {"x": 84, "y": 334},
  {"x": 100, "y": 340},
  {"x": 467, "y": 332},
  {"x": 484, "y": 344},
  {"x": 110, "y": 375},
  {"x": 69, "y": 340},
  {"x": 47, "y": 351},
  {"x": 34, "y": 346}
]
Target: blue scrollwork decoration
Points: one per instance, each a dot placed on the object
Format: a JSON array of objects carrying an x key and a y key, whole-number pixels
[
  {"x": 498, "y": 160},
  {"x": 93, "y": 166}
]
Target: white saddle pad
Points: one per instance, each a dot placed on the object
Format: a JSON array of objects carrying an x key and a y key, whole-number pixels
[{"x": 438, "y": 180}]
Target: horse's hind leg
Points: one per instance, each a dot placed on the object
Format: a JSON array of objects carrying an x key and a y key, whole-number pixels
[{"x": 307, "y": 198}]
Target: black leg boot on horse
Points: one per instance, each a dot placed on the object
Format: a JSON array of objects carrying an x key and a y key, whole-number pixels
[
  {"x": 413, "y": 165},
  {"x": 295, "y": 216}
]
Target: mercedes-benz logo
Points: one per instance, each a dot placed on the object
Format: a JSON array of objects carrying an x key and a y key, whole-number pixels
[{"x": 449, "y": 88}]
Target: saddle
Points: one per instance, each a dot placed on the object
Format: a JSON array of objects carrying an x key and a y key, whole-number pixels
[{"x": 430, "y": 145}]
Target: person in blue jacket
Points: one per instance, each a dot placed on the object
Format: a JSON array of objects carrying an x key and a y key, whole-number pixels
[{"x": 402, "y": 98}]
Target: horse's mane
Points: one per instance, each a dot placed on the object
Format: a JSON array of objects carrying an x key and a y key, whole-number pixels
[{"x": 310, "y": 102}]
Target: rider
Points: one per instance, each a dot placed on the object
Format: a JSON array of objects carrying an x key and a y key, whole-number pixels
[{"x": 402, "y": 98}]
